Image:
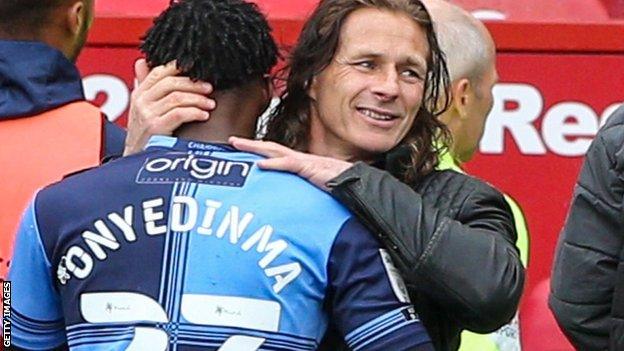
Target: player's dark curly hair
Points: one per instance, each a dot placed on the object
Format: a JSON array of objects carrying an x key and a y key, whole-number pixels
[{"x": 224, "y": 42}]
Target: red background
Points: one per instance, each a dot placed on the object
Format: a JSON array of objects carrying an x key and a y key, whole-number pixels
[{"x": 543, "y": 184}]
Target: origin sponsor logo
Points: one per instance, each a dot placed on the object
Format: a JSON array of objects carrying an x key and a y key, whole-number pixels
[{"x": 184, "y": 168}]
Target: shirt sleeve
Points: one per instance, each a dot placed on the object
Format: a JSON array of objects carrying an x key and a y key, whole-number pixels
[
  {"x": 36, "y": 313},
  {"x": 367, "y": 297}
]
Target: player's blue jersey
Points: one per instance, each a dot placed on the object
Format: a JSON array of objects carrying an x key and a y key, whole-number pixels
[{"x": 190, "y": 246}]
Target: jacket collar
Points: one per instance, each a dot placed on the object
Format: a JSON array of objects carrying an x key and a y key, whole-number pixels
[{"x": 35, "y": 78}]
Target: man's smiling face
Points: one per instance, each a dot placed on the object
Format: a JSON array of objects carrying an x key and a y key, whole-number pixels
[{"x": 365, "y": 101}]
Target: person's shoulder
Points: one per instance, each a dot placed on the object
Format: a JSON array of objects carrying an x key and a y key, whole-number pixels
[
  {"x": 115, "y": 138},
  {"x": 457, "y": 194},
  {"x": 454, "y": 184},
  {"x": 615, "y": 120},
  {"x": 607, "y": 148},
  {"x": 90, "y": 181},
  {"x": 298, "y": 189},
  {"x": 85, "y": 193},
  {"x": 612, "y": 133}
]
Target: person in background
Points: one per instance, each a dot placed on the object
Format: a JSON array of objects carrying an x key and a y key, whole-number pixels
[
  {"x": 587, "y": 285},
  {"x": 471, "y": 58},
  {"x": 452, "y": 236},
  {"x": 189, "y": 245},
  {"x": 46, "y": 126}
]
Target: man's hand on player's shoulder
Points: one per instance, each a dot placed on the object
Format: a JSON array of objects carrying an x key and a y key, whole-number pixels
[
  {"x": 162, "y": 101},
  {"x": 317, "y": 169}
]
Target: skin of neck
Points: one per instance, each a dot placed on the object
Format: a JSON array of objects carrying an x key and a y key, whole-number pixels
[
  {"x": 321, "y": 144},
  {"x": 320, "y": 149},
  {"x": 451, "y": 119},
  {"x": 236, "y": 114},
  {"x": 318, "y": 146}
]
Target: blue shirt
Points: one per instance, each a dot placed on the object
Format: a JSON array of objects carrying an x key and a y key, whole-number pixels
[{"x": 190, "y": 246}]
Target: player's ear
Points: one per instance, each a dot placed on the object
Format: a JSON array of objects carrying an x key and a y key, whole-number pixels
[
  {"x": 267, "y": 89},
  {"x": 268, "y": 85}
]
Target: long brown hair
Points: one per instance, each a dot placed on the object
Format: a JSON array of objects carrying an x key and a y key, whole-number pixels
[{"x": 289, "y": 124}]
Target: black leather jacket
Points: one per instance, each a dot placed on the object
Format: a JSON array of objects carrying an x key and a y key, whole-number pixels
[{"x": 453, "y": 238}]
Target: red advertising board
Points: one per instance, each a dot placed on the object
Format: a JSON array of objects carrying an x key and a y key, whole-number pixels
[
  {"x": 548, "y": 107},
  {"x": 561, "y": 76}
]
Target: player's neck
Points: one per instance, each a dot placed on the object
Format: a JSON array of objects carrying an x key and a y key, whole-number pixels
[{"x": 232, "y": 117}]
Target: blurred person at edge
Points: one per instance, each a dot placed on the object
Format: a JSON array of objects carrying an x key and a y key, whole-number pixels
[
  {"x": 587, "y": 284},
  {"x": 358, "y": 118},
  {"x": 46, "y": 126},
  {"x": 471, "y": 59}
]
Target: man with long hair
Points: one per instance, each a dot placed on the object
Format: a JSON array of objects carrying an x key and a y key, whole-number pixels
[
  {"x": 189, "y": 245},
  {"x": 362, "y": 99}
]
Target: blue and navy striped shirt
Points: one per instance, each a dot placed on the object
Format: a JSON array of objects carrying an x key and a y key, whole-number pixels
[{"x": 190, "y": 246}]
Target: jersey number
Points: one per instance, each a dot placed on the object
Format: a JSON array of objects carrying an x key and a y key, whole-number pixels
[{"x": 227, "y": 311}]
